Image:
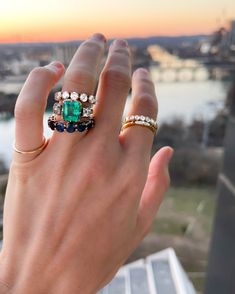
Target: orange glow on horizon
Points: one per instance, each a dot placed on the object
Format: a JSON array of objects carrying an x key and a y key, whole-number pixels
[
  {"x": 52, "y": 34},
  {"x": 60, "y": 20}
]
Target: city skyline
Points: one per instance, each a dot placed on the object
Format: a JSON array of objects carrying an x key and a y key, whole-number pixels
[{"x": 23, "y": 21}]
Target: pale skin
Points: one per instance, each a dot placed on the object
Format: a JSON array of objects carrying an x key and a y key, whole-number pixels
[{"x": 75, "y": 211}]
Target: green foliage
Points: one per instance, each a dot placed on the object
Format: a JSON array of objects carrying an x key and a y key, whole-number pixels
[{"x": 184, "y": 206}]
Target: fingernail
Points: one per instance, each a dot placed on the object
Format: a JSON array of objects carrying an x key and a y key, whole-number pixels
[
  {"x": 98, "y": 37},
  {"x": 120, "y": 43}
]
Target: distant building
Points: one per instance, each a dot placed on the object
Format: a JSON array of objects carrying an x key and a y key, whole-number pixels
[
  {"x": 65, "y": 52},
  {"x": 220, "y": 43},
  {"x": 231, "y": 36}
]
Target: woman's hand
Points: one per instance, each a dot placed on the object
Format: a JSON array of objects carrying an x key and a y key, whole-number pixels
[{"x": 74, "y": 212}]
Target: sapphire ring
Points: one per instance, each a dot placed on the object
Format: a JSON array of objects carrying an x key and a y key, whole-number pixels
[
  {"x": 72, "y": 112},
  {"x": 70, "y": 126}
]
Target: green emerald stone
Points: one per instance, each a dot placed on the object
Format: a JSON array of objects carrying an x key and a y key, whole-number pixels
[{"x": 72, "y": 110}]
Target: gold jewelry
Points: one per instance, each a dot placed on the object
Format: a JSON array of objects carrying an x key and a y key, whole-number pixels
[
  {"x": 133, "y": 123},
  {"x": 40, "y": 148},
  {"x": 83, "y": 97},
  {"x": 72, "y": 112},
  {"x": 140, "y": 120}
]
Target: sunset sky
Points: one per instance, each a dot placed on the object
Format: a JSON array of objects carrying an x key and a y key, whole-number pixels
[{"x": 60, "y": 20}]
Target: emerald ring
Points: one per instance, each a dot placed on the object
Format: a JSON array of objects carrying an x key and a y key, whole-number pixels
[
  {"x": 83, "y": 97},
  {"x": 72, "y": 111},
  {"x": 73, "y": 106}
]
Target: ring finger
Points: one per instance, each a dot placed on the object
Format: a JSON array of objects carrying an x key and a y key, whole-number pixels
[{"x": 138, "y": 139}]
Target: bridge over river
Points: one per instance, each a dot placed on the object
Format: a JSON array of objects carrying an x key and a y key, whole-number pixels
[{"x": 192, "y": 70}]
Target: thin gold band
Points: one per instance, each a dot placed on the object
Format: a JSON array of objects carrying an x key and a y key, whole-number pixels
[
  {"x": 133, "y": 123},
  {"x": 40, "y": 148}
]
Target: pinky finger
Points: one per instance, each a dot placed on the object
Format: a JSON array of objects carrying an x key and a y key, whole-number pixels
[{"x": 156, "y": 185}]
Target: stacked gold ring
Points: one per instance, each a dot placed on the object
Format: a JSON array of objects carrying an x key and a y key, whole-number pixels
[{"x": 140, "y": 120}]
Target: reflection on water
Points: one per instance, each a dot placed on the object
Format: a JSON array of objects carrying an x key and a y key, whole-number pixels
[
  {"x": 176, "y": 100},
  {"x": 189, "y": 100}
]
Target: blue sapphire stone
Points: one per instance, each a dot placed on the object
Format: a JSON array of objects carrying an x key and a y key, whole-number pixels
[
  {"x": 70, "y": 127},
  {"x": 51, "y": 124},
  {"x": 60, "y": 127},
  {"x": 90, "y": 124},
  {"x": 81, "y": 127}
]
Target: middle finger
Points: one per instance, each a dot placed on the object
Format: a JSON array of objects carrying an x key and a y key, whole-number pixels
[
  {"x": 81, "y": 75},
  {"x": 114, "y": 85}
]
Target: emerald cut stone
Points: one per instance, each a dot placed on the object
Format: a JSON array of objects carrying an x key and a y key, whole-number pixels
[{"x": 72, "y": 110}]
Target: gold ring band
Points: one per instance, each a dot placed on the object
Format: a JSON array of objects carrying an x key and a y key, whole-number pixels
[
  {"x": 140, "y": 118},
  {"x": 133, "y": 123},
  {"x": 40, "y": 148},
  {"x": 141, "y": 121}
]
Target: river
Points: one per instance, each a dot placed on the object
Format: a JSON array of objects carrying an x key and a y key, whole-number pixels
[{"x": 189, "y": 100}]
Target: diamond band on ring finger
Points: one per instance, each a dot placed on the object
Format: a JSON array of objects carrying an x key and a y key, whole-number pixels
[
  {"x": 140, "y": 120},
  {"x": 72, "y": 112}
]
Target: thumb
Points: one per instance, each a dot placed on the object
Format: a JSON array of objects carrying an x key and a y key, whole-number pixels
[{"x": 157, "y": 183}]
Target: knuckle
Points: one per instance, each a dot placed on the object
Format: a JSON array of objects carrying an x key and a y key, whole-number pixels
[
  {"x": 147, "y": 82},
  {"x": 147, "y": 102},
  {"x": 80, "y": 78},
  {"x": 42, "y": 75},
  {"x": 122, "y": 51},
  {"x": 116, "y": 76},
  {"x": 92, "y": 46},
  {"x": 147, "y": 98},
  {"x": 40, "y": 72}
]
